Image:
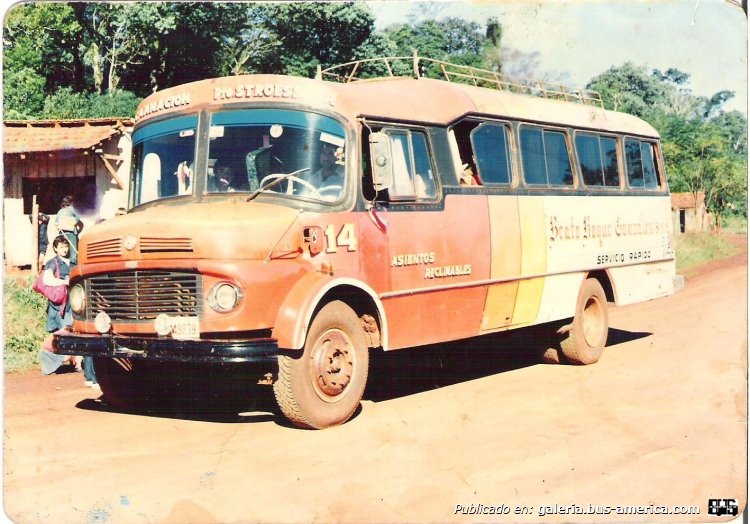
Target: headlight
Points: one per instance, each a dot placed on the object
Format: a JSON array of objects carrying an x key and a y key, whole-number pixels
[
  {"x": 77, "y": 299},
  {"x": 224, "y": 297}
]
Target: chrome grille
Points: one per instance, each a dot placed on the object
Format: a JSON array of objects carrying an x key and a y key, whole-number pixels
[{"x": 142, "y": 295}]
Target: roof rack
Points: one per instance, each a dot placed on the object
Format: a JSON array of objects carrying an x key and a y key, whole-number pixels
[{"x": 420, "y": 67}]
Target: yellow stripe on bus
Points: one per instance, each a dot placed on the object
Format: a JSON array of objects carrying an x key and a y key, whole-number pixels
[
  {"x": 505, "y": 243},
  {"x": 533, "y": 258}
]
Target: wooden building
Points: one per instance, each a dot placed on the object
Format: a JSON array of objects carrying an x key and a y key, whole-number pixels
[
  {"x": 45, "y": 160},
  {"x": 689, "y": 212}
]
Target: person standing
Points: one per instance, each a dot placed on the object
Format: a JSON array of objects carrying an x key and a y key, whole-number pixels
[
  {"x": 59, "y": 316},
  {"x": 69, "y": 224},
  {"x": 43, "y": 240}
]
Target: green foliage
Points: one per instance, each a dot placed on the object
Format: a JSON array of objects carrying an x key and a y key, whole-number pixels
[
  {"x": 45, "y": 38},
  {"x": 451, "y": 39},
  {"x": 630, "y": 89},
  {"x": 67, "y": 104},
  {"x": 314, "y": 33},
  {"x": 24, "y": 316},
  {"x": 23, "y": 94}
]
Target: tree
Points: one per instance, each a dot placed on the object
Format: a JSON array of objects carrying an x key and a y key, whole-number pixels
[
  {"x": 702, "y": 156},
  {"x": 41, "y": 54},
  {"x": 23, "y": 93},
  {"x": 450, "y": 39},
  {"x": 493, "y": 52},
  {"x": 630, "y": 89},
  {"x": 123, "y": 37},
  {"x": 314, "y": 33},
  {"x": 704, "y": 148}
]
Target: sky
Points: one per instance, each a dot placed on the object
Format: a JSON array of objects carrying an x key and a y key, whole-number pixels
[{"x": 579, "y": 39}]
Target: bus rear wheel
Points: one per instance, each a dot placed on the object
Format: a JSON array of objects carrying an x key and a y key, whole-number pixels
[
  {"x": 323, "y": 386},
  {"x": 585, "y": 341}
]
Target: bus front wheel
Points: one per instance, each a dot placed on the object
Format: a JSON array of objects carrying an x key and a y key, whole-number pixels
[
  {"x": 585, "y": 341},
  {"x": 116, "y": 377},
  {"x": 323, "y": 386}
]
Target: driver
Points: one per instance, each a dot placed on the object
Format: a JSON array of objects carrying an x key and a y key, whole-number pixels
[{"x": 331, "y": 172}]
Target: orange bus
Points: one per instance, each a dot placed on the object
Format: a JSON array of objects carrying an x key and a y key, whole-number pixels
[{"x": 300, "y": 223}]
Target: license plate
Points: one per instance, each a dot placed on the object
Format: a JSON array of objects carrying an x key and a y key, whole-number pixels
[{"x": 184, "y": 327}]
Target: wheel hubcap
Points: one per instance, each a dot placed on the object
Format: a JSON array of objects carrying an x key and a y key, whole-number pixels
[
  {"x": 332, "y": 364},
  {"x": 592, "y": 322}
]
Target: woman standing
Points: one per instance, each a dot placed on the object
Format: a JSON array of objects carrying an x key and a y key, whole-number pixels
[{"x": 57, "y": 273}]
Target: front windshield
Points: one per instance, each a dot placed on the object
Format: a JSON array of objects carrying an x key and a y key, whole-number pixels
[
  {"x": 164, "y": 157},
  {"x": 292, "y": 153}
]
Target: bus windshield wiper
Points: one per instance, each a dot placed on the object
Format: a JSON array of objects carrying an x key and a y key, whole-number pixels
[{"x": 278, "y": 178}]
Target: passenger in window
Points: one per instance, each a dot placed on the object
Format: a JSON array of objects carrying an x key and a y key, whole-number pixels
[
  {"x": 468, "y": 177},
  {"x": 329, "y": 178},
  {"x": 184, "y": 176}
]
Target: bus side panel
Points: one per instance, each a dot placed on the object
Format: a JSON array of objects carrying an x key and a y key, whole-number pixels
[
  {"x": 438, "y": 317},
  {"x": 629, "y": 237},
  {"x": 533, "y": 259},
  {"x": 505, "y": 241},
  {"x": 559, "y": 297},
  {"x": 642, "y": 282},
  {"x": 431, "y": 251}
]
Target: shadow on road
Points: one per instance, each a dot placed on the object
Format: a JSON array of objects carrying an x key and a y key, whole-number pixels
[
  {"x": 409, "y": 371},
  {"x": 222, "y": 394},
  {"x": 619, "y": 336},
  {"x": 231, "y": 394}
]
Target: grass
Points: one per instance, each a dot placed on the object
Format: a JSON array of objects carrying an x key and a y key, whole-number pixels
[
  {"x": 696, "y": 249},
  {"x": 24, "y": 316},
  {"x": 734, "y": 224}
]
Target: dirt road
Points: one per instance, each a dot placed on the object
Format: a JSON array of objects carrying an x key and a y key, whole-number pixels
[{"x": 659, "y": 421}]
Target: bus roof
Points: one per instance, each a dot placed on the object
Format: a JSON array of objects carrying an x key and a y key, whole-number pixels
[
  {"x": 404, "y": 99},
  {"x": 441, "y": 102}
]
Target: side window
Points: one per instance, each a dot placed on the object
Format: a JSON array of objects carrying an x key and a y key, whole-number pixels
[
  {"x": 545, "y": 157},
  {"x": 610, "y": 165},
  {"x": 413, "y": 175},
  {"x": 532, "y": 154},
  {"x": 640, "y": 160},
  {"x": 490, "y": 143},
  {"x": 649, "y": 165},
  {"x": 597, "y": 158}
]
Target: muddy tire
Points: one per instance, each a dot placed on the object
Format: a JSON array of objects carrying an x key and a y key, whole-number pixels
[
  {"x": 135, "y": 385},
  {"x": 322, "y": 387},
  {"x": 587, "y": 336}
]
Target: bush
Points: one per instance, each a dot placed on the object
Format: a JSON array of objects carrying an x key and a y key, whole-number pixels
[
  {"x": 24, "y": 316},
  {"x": 66, "y": 103}
]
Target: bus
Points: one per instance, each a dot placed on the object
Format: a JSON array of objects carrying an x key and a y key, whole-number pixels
[{"x": 298, "y": 224}]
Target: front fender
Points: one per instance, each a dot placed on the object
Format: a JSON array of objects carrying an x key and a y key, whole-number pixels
[{"x": 295, "y": 314}]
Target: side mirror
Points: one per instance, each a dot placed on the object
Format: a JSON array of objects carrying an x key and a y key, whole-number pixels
[{"x": 382, "y": 165}]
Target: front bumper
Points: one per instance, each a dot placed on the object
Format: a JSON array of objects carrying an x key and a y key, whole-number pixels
[{"x": 166, "y": 349}]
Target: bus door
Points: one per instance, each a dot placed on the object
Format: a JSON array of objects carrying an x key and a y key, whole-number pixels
[{"x": 438, "y": 250}]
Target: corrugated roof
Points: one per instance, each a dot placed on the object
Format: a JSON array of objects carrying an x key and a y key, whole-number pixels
[{"x": 34, "y": 136}]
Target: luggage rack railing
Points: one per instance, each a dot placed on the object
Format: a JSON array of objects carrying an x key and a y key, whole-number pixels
[{"x": 420, "y": 67}]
